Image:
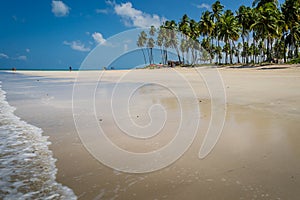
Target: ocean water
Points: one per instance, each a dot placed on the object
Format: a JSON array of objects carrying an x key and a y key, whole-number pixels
[{"x": 27, "y": 167}]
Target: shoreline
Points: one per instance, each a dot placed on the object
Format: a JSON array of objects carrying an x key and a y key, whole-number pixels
[
  {"x": 259, "y": 119},
  {"x": 233, "y": 66},
  {"x": 33, "y": 172}
]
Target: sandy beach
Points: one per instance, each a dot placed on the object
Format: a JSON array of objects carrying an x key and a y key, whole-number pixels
[{"x": 256, "y": 156}]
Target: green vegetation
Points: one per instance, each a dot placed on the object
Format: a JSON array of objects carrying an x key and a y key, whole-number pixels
[
  {"x": 294, "y": 61},
  {"x": 264, "y": 33}
]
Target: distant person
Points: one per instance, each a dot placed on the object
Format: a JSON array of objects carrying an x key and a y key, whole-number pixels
[
  {"x": 70, "y": 68},
  {"x": 13, "y": 69}
]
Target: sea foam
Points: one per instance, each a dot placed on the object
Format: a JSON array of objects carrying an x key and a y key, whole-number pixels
[{"x": 27, "y": 167}]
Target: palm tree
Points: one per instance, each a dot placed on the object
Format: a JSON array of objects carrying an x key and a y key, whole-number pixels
[
  {"x": 229, "y": 32},
  {"x": 163, "y": 41},
  {"x": 238, "y": 51},
  {"x": 260, "y": 3},
  {"x": 218, "y": 52},
  {"x": 193, "y": 39},
  {"x": 151, "y": 43},
  {"x": 279, "y": 49},
  {"x": 267, "y": 25},
  {"x": 184, "y": 28},
  {"x": 245, "y": 19},
  {"x": 142, "y": 39},
  {"x": 291, "y": 14},
  {"x": 274, "y": 34},
  {"x": 206, "y": 26},
  {"x": 262, "y": 50},
  {"x": 226, "y": 50},
  {"x": 172, "y": 30},
  {"x": 191, "y": 32},
  {"x": 217, "y": 9},
  {"x": 152, "y": 31},
  {"x": 183, "y": 48},
  {"x": 160, "y": 42}
]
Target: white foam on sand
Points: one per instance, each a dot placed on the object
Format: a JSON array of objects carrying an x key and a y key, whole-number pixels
[{"x": 27, "y": 167}]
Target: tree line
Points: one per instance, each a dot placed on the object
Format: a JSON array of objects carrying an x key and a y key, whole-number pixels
[{"x": 265, "y": 32}]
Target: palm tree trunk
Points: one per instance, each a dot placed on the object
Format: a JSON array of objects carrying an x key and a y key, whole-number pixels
[
  {"x": 149, "y": 55},
  {"x": 226, "y": 54},
  {"x": 247, "y": 55},
  {"x": 166, "y": 56},
  {"x": 178, "y": 54},
  {"x": 193, "y": 57},
  {"x": 210, "y": 49},
  {"x": 144, "y": 56},
  {"x": 271, "y": 48},
  {"x": 254, "y": 50},
  {"x": 152, "y": 57},
  {"x": 161, "y": 54},
  {"x": 244, "y": 49},
  {"x": 218, "y": 48},
  {"x": 296, "y": 51},
  {"x": 284, "y": 54},
  {"x": 293, "y": 43},
  {"x": 231, "y": 50},
  {"x": 268, "y": 50}
]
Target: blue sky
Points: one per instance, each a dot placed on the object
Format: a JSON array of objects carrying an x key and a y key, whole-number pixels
[{"x": 47, "y": 34}]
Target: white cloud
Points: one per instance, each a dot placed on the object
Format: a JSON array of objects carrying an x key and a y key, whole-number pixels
[
  {"x": 60, "y": 9},
  {"x": 136, "y": 18},
  {"x": 2, "y": 55},
  {"x": 21, "y": 58},
  {"x": 77, "y": 45},
  {"x": 98, "y": 37},
  {"x": 27, "y": 50},
  {"x": 109, "y": 2},
  {"x": 203, "y": 5},
  {"x": 102, "y": 11}
]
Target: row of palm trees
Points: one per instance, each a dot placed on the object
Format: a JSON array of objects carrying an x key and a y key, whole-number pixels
[{"x": 265, "y": 32}]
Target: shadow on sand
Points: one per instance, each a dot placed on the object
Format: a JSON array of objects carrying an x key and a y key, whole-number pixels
[
  {"x": 269, "y": 68},
  {"x": 243, "y": 67}
]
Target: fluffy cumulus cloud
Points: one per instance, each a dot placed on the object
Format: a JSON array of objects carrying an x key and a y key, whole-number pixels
[
  {"x": 203, "y": 5},
  {"x": 98, "y": 37},
  {"x": 137, "y": 18},
  {"x": 3, "y": 55},
  {"x": 77, "y": 45},
  {"x": 60, "y": 9}
]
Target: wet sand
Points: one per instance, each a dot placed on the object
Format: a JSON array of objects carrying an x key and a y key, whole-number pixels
[{"x": 256, "y": 157}]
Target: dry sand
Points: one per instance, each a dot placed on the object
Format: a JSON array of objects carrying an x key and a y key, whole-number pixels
[{"x": 256, "y": 157}]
